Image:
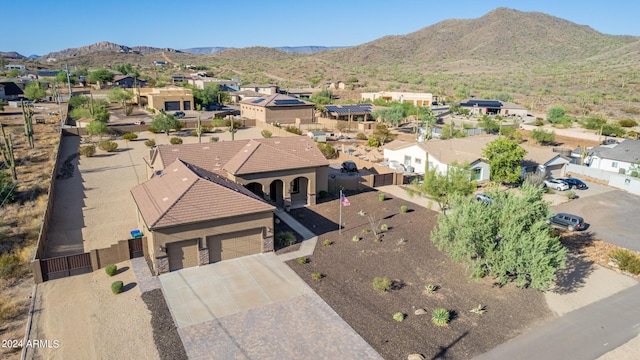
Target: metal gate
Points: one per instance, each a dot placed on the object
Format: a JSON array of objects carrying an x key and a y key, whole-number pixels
[
  {"x": 135, "y": 248},
  {"x": 63, "y": 266},
  {"x": 383, "y": 179}
]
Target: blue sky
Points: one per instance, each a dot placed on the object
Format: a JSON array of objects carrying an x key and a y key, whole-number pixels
[{"x": 45, "y": 26}]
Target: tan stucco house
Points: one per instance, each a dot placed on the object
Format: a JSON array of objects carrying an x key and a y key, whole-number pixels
[
  {"x": 278, "y": 108},
  {"x": 167, "y": 99},
  {"x": 210, "y": 202}
]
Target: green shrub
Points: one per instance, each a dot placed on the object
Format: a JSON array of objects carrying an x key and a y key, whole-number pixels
[
  {"x": 151, "y": 110},
  {"x": 87, "y": 150},
  {"x": 327, "y": 150},
  {"x": 302, "y": 260},
  {"x": 175, "y": 140},
  {"x": 628, "y": 123},
  {"x": 355, "y": 238},
  {"x": 440, "y": 317},
  {"x": 214, "y": 139},
  {"x": 111, "y": 269},
  {"x": 378, "y": 239},
  {"x": 404, "y": 209},
  {"x": 317, "y": 276},
  {"x": 570, "y": 195},
  {"x": 626, "y": 260},
  {"x": 10, "y": 265},
  {"x": 292, "y": 129},
  {"x": 116, "y": 287},
  {"x": 327, "y": 242},
  {"x": 285, "y": 238},
  {"x": 207, "y": 128},
  {"x": 384, "y": 227},
  {"x": 479, "y": 310},
  {"x": 108, "y": 146},
  {"x": 130, "y": 136},
  {"x": 323, "y": 194},
  {"x": 399, "y": 317},
  {"x": 9, "y": 308},
  {"x": 430, "y": 288},
  {"x": 150, "y": 143},
  {"x": 266, "y": 133},
  {"x": 382, "y": 197},
  {"x": 381, "y": 284},
  {"x": 366, "y": 231},
  {"x": 193, "y": 133},
  {"x": 361, "y": 136},
  {"x": 373, "y": 142}
]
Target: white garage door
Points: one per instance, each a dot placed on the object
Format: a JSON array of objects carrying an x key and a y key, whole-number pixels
[
  {"x": 233, "y": 245},
  {"x": 182, "y": 254}
]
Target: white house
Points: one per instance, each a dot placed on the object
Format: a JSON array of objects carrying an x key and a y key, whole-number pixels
[
  {"x": 416, "y": 99},
  {"x": 619, "y": 158},
  {"x": 415, "y": 157},
  {"x": 317, "y": 135}
]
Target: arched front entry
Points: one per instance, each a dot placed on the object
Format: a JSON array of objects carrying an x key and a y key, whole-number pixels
[
  {"x": 255, "y": 188},
  {"x": 276, "y": 192},
  {"x": 299, "y": 189}
]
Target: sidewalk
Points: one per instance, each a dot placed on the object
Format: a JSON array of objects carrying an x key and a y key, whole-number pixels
[{"x": 309, "y": 239}]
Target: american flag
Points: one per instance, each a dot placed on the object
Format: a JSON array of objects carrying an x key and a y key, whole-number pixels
[{"x": 344, "y": 200}]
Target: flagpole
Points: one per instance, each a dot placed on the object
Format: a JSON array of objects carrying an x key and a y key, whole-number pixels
[{"x": 340, "y": 223}]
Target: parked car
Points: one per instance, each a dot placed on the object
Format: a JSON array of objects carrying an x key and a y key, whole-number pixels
[
  {"x": 484, "y": 198},
  {"x": 571, "y": 222},
  {"x": 575, "y": 183},
  {"x": 556, "y": 184},
  {"x": 139, "y": 122},
  {"x": 179, "y": 114},
  {"x": 349, "y": 167}
]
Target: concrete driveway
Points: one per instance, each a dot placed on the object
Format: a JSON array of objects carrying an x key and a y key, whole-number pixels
[
  {"x": 256, "y": 307},
  {"x": 612, "y": 214}
]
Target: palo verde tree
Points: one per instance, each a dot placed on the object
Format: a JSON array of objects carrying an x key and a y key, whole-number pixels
[
  {"x": 34, "y": 91},
  {"x": 508, "y": 239},
  {"x": 442, "y": 187},
  {"x": 383, "y": 134},
  {"x": 97, "y": 127},
  {"x": 504, "y": 157},
  {"x": 164, "y": 122},
  {"x": 101, "y": 76},
  {"x": 122, "y": 97}
]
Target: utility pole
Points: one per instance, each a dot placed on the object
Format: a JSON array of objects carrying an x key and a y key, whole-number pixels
[
  {"x": 59, "y": 105},
  {"x": 68, "y": 79}
]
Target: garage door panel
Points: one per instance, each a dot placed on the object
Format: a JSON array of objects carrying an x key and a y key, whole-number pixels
[
  {"x": 182, "y": 254},
  {"x": 172, "y": 105},
  {"x": 234, "y": 245}
]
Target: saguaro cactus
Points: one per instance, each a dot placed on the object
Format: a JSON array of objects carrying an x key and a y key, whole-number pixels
[
  {"x": 27, "y": 114},
  {"x": 7, "y": 154}
]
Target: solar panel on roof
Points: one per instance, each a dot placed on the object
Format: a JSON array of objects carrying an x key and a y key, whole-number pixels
[
  {"x": 288, "y": 102},
  {"x": 258, "y": 100}
]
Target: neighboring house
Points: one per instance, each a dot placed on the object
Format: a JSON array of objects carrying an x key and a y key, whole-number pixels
[
  {"x": 415, "y": 157},
  {"x": 126, "y": 81},
  {"x": 15, "y": 67},
  {"x": 545, "y": 162},
  {"x": 615, "y": 158},
  {"x": 349, "y": 112},
  {"x": 206, "y": 202},
  {"x": 416, "y": 99},
  {"x": 317, "y": 136},
  {"x": 266, "y": 89},
  {"x": 278, "y": 108},
  {"x": 159, "y": 63},
  {"x": 168, "y": 99},
  {"x": 243, "y": 95},
  {"x": 493, "y": 107},
  {"x": 10, "y": 91}
]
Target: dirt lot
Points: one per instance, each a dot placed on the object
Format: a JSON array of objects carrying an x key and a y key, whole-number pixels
[{"x": 349, "y": 268}]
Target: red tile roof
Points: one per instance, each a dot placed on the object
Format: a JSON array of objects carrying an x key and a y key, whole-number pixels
[{"x": 185, "y": 193}]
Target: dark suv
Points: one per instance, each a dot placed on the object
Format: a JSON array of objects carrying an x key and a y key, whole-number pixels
[
  {"x": 349, "y": 167},
  {"x": 179, "y": 114},
  {"x": 571, "y": 222},
  {"x": 575, "y": 183}
]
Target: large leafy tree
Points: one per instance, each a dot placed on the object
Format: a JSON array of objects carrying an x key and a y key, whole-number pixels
[
  {"x": 121, "y": 96},
  {"x": 391, "y": 115},
  {"x": 164, "y": 122},
  {"x": 97, "y": 127},
  {"x": 442, "y": 187},
  {"x": 383, "y": 134},
  {"x": 504, "y": 157},
  {"x": 101, "y": 75},
  {"x": 508, "y": 239},
  {"x": 34, "y": 91}
]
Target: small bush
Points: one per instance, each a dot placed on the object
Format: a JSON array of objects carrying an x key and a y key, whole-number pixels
[
  {"x": 9, "y": 309},
  {"x": 292, "y": 129},
  {"x": 111, "y": 269},
  {"x": 378, "y": 239},
  {"x": 327, "y": 242},
  {"x": 130, "y": 136},
  {"x": 626, "y": 260},
  {"x": 317, "y": 276},
  {"x": 381, "y": 284},
  {"x": 361, "y": 136},
  {"x": 151, "y": 110},
  {"x": 11, "y": 265},
  {"x": 285, "y": 238},
  {"x": 570, "y": 194},
  {"x": 323, "y": 194},
  {"x": 108, "y": 146},
  {"x": 302, "y": 260},
  {"x": 327, "y": 150},
  {"x": 116, "y": 287},
  {"x": 87, "y": 150},
  {"x": 404, "y": 209},
  {"x": 266, "y": 134},
  {"x": 175, "y": 141},
  {"x": 430, "y": 288},
  {"x": 628, "y": 123},
  {"x": 193, "y": 133},
  {"x": 355, "y": 238},
  {"x": 479, "y": 310},
  {"x": 399, "y": 317},
  {"x": 207, "y": 128},
  {"x": 382, "y": 197},
  {"x": 150, "y": 143},
  {"x": 366, "y": 231},
  {"x": 384, "y": 227},
  {"x": 440, "y": 317},
  {"x": 214, "y": 139}
]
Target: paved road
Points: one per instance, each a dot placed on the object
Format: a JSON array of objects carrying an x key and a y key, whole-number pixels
[
  {"x": 612, "y": 215},
  {"x": 586, "y": 333}
]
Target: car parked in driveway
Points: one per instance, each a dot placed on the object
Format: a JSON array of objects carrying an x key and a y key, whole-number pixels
[
  {"x": 179, "y": 114},
  {"x": 574, "y": 183},
  {"x": 486, "y": 199},
  {"x": 349, "y": 167},
  {"x": 556, "y": 184},
  {"x": 569, "y": 221}
]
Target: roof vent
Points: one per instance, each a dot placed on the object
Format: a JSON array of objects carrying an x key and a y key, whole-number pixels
[
  {"x": 184, "y": 179},
  {"x": 165, "y": 199},
  {"x": 159, "y": 172}
]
